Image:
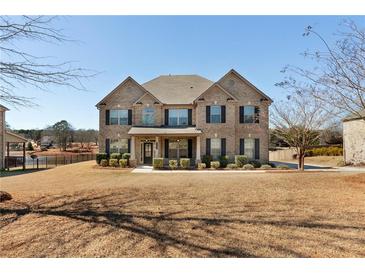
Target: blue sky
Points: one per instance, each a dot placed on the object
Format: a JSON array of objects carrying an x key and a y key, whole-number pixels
[{"x": 144, "y": 47}]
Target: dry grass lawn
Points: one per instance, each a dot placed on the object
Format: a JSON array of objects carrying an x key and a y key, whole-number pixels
[{"x": 80, "y": 211}]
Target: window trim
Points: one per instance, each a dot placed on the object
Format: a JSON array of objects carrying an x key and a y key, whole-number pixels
[
  {"x": 119, "y": 111},
  {"x": 153, "y": 116},
  {"x": 118, "y": 140},
  {"x": 211, "y": 114},
  {"x": 219, "y": 142},
  {"x": 178, "y": 117}
]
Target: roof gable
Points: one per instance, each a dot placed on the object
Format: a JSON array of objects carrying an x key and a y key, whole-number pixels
[
  {"x": 248, "y": 83},
  {"x": 220, "y": 88}
]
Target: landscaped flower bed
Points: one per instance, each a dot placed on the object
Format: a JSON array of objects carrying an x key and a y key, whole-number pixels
[{"x": 115, "y": 160}]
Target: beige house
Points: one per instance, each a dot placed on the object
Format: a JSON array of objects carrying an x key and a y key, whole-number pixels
[
  {"x": 6, "y": 138},
  {"x": 354, "y": 139},
  {"x": 178, "y": 116}
]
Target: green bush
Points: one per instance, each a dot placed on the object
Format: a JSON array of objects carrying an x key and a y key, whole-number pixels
[
  {"x": 123, "y": 163},
  {"x": 240, "y": 160},
  {"x": 206, "y": 159},
  {"x": 185, "y": 163},
  {"x": 232, "y": 166},
  {"x": 272, "y": 165},
  {"x": 115, "y": 156},
  {"x": 173, "y": 164},
  {"x": 157, "y": 163},
  {"x": 266, "y": 167},
  {"x": 283, "y": 167},
  {"x": 223, "y": 161},
  {"x": 248, "y": 167},
  {"x": 126, "y": 156},
  {"x": 101, "y": 156},
  {"x": 104, "y": 162},
  {"x": 255, "y": 163},
  {"x": 202, "y": 165},
  {"x": 113, "y": 162},
  {"x": 215, "y": 164}
]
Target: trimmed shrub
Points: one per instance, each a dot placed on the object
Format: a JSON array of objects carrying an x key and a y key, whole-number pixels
[
  {"x": 248, "y": 167},
  {"x": 173, "y": 164},
  {"x": 232, "y": 166},
  {"x": 185, "y": 163},
  {"x": 223, "y": 161},
  {"x": 157, "y": 163},
  {"x": 240, "y": 160},
  {"x": 101, "y": 156},
  {"x": 123, "y": 163},
  {"x": 266, "y": 167},
  {"x": 126, "y": 156},
  {"x": 104, "y": 162},
  {"x": 115, "y": 156},
  {"x": 215, "y": 164},
  {"x": 202, "y": 165},
  {"x": 272, "y": 165},
  {"x": 206, "y": 159},
  {"x": 283, "y": 167},
  {"x": 255, "y": 163},
  {"x": 113, "y": 162}
]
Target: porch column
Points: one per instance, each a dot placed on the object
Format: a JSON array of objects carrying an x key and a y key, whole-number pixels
[
  {"x": 157, "y": 147},
  {"x": 133, "y": 151},
  {"x": 198, "y": 148}
]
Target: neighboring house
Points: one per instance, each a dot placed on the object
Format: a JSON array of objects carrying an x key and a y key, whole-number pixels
[
  {"x": 354, "y": 139},
  {"x": 178, "y": 116},
  {"x": 6, "y": 138}
]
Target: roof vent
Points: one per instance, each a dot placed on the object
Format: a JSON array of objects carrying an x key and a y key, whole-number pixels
[{"x": 191, "y": 87}]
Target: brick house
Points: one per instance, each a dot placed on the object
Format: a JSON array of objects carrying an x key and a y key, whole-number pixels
[{"x": 178, "y": 116}]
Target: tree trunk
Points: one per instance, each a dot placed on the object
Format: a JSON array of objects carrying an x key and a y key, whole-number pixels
[{"x": 301, "y": 160}]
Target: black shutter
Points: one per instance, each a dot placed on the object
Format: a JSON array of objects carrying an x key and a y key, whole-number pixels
[
  {"x": 207, "y": 146},
  {"x": 223, "y": 147},
  {"x": 190, "y": 148},
  {"x": 242, "y": 113},
  {"x": 190, "y": 117},
  {"x": 166, "y": 148},
  {"x": 107, "y": 146},
  {"x": 129, "y": 145},
  {"x": 257, "y": 115},
  {"x": 242, "y": 146},
  {"x": 257, "y": 149},
  {"x": 207, "y": 114},
  {"x": 223, "y": 114},
  {"x": 166, "y": 117},
  {"x": 107, "y": 117},
  {"x": 129, "y": 117}
]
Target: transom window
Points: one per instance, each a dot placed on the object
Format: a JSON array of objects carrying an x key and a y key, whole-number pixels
[
  {"x": 250, "y": 148},
  {"x": 215, "y": 114},
  {"x": 119, "y": 146},
  {"x": 215, "y": 147},
  {"x": 148, "y": 117},
  {"x": 119, "y": 117},
  {"x": 178, "y": 117},
  {"x": 178, "y": 148}
]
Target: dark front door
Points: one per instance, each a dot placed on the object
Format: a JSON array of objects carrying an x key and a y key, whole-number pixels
[{"x": 147, "y": 147}]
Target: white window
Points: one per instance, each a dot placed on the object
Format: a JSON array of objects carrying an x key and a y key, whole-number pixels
[
  {"x": 215, "y": 114},
  {"x": 215, "y": 147},
  {"x": 178, "y": 117},
  {"x": 119, "y": 146},
  {"x": 119, "y": 117},
  {"x": 178, "y": 148},
  {"x": 148, "y": 117},
  {"x": 250, "y": 148},
  {"x": 249, "y": 114}
]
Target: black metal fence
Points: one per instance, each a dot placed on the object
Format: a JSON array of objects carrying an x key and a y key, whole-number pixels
[{"x": 51, "y": 161}]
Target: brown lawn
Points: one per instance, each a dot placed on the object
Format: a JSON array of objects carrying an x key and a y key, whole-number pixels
[{"x": 80, "y": 211}]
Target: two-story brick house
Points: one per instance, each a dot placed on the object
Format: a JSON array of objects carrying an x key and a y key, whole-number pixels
[{"x": 178, "y": 116}]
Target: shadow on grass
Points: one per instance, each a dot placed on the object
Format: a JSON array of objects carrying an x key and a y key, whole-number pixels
[
  {"x": 15, "y": 172},
  {"x": 164, "y": 228}
]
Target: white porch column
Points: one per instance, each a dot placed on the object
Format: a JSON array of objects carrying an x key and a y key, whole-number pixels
[
  {"x": 157, "y": 147},
  {"x": 133, "y": 149},
  {"x": 198, "y": 148}
]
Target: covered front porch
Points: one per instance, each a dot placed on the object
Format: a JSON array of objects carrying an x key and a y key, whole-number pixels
[{"x": 168, "y": 143}]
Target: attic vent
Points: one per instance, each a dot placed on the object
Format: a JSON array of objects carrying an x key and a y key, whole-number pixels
[
  {"x": 229, "y": 99},
  {"x": 201, "y": 99},
  {"x": 191, "y": 87},
  {"x": 139, "y": 103},
  {"x": 156, "y": 103}
]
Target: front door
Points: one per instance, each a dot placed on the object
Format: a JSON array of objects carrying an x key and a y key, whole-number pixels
[{"x": 147, "y": 149}]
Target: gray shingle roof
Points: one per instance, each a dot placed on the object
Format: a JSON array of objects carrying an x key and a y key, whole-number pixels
[{"x": 177, "y": 89}]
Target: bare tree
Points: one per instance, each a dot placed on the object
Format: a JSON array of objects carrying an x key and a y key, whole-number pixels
[
  {"x": 19, "y": 68},
  {"x": 338, "y": 80},
  {"x": 297, "y": 121}
]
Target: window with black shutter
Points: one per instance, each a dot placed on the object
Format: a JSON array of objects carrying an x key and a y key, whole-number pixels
[
  {"x": 190, "y": 148},
  {"x": 166, "y": 117},
  {"x": 223, "y": 147},
  {"x": 107, "y": 117},
  {"x": 257, "y": 115},
  {"x": 242, "y": 146},
  {"x": 107, "y": 146},
  {"x": 257, "y": 149},
  {"x": 242, "y": 113},
  {"x": 190, "y": 117},
  {"x": 129, "y": 117},
  {"x": 166, "y": 148},
  {"x": 207, "y": 146},
  {"x": 223, "y": 114},
  {"x": 207, "y": 114}
]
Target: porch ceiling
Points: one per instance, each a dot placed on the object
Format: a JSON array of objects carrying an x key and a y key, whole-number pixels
[{"x": 143, "y": 131}]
